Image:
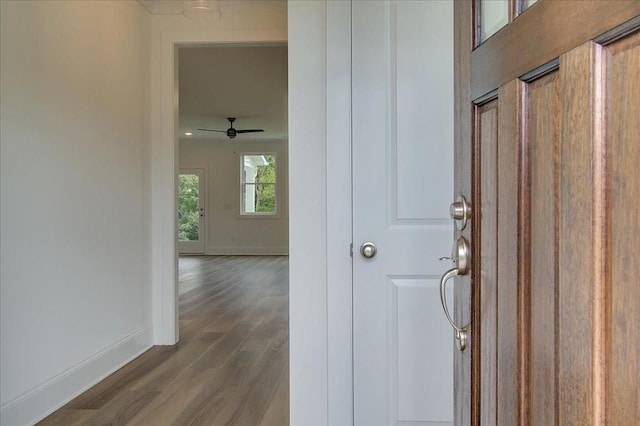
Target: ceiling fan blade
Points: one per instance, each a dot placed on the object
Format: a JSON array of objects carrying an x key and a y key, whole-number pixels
[
  {"x": 249, "y": 131},
  {"x": 212, "y": 130}
]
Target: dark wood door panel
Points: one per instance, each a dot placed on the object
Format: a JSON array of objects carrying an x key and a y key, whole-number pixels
[
  {"x": 581, "y": 224},
  {"x": 542, "y": 135},
  {"x": 486, "y": 285},
  {"x": 464, "y": 169},
  {"x": 622, "y": 94},
  {"x": 510, "y": 239}
]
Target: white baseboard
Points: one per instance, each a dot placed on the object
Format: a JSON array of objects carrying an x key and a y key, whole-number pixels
[
  {"x": 248, "y": 251},
  {"x": 39, "y": 402}
]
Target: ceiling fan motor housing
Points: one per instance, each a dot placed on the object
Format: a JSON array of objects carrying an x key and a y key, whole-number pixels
[{"x": 231, "y": 132}]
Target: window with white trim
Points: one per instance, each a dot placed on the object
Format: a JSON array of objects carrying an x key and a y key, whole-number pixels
[{"x": 258, "y": 184}]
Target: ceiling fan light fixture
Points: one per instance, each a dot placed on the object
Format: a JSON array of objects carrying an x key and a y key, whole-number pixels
[{"x": 193, "y": 8}]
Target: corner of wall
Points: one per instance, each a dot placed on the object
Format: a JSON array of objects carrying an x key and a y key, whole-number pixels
[{"x": 36, "y": 404}]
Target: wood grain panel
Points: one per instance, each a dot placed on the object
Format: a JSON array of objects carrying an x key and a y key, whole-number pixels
[
  {"x": 249, "y": 403},
  {"x": 487, "y": 285},
  {"x": 278, "y": 412},
  {"x": 581, "y": 276},
  {"x": 121, "y": 409},
  {"x": 516, "y": 49},
  {"x": 508, "y": 245},
  {"x": 623, "y": 130},
  {"x": 100, "y": 394},
  {"x": 465, "y": 409},
  {"x": 543, "y": 127}
]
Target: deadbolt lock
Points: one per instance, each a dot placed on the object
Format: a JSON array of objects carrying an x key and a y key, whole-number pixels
[{"x": 460, "y": 211}]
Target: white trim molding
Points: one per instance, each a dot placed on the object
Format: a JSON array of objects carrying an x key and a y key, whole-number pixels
[
  {"x": 308, "y": 213},
  {"x": 320, "y": 212},
  {"x": 339, "y": 202},
  {"x": 247, "y": 251}
]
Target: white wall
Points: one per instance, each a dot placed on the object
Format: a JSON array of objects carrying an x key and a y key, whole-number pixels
[
  {"x": 226, "y": 231},
  {"x": 75, "y": 204}
]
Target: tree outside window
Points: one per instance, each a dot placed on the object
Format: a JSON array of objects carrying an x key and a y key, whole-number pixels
[{"x": 188, "y": 207}]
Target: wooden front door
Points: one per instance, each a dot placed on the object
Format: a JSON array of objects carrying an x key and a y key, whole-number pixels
[{"x": 548, "y": 153}]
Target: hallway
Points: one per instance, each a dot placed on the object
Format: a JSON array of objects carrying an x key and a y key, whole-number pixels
[{"x": 231, "y": 366}]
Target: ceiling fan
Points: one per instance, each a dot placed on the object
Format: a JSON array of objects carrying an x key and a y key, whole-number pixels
[{"x": 231, "y": 132}]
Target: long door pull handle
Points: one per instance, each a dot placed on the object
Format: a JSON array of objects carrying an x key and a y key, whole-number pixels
[{"x": 460, "y": 333}]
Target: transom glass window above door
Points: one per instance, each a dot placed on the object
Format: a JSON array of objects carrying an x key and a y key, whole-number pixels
[
  {"x": 258, "y": 184},
  {"x": 493, "y": 15}
]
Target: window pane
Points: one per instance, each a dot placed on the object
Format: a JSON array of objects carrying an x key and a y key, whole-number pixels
[
  {"x": 188, "y": 207},
  {"x": 259, "y": 198},
  {"x": 259, "y": 168},
  {"x": 494, "y": 14},
  {"x": 265, "y": 201},
  {"x": 267, "y": 174}
]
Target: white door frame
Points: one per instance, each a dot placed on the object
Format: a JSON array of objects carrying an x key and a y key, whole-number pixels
[
  {"x": 320, "y": 265},
  {"x": 165, "y": 166},
  {"x": 319, "y": 243}
]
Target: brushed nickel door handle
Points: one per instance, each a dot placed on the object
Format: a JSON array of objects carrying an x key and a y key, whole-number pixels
[
  {"x": 461, "y": 258},
  {"x": 460, "y": 333}
]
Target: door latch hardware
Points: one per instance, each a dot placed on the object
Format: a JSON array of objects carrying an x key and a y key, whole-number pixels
[
  {"x": 461, "y": 258},
  {"x": 368, "y": 250}
]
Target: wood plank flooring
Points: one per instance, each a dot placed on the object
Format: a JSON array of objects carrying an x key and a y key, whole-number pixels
[{"x": 231, "y": 366}]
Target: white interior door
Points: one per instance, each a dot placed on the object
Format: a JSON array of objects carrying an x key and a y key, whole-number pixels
[
  {"x": 191, "y": 212},
  {"x": 402, "y": 87}
]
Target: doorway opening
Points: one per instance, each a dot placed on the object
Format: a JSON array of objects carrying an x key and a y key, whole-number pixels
[
  {"x": 232, "y": 235},
  {"x": 191, "y": 203}
]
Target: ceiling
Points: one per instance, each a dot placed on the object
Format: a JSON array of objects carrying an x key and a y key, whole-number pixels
[{"x": 248, "y": 83}]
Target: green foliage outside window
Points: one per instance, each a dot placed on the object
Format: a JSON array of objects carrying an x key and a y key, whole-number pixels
[
  {"x": 265, "y": 187},
  {"x": 188, "y": 207}
]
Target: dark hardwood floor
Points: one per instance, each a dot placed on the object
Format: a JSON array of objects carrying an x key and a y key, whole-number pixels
[{"x": 231, "y": 366}]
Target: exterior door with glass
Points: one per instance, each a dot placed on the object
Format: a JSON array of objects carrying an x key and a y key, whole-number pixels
[
  {"x": 191, "y": 211},
  {"x": 547, "y": 154}
]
